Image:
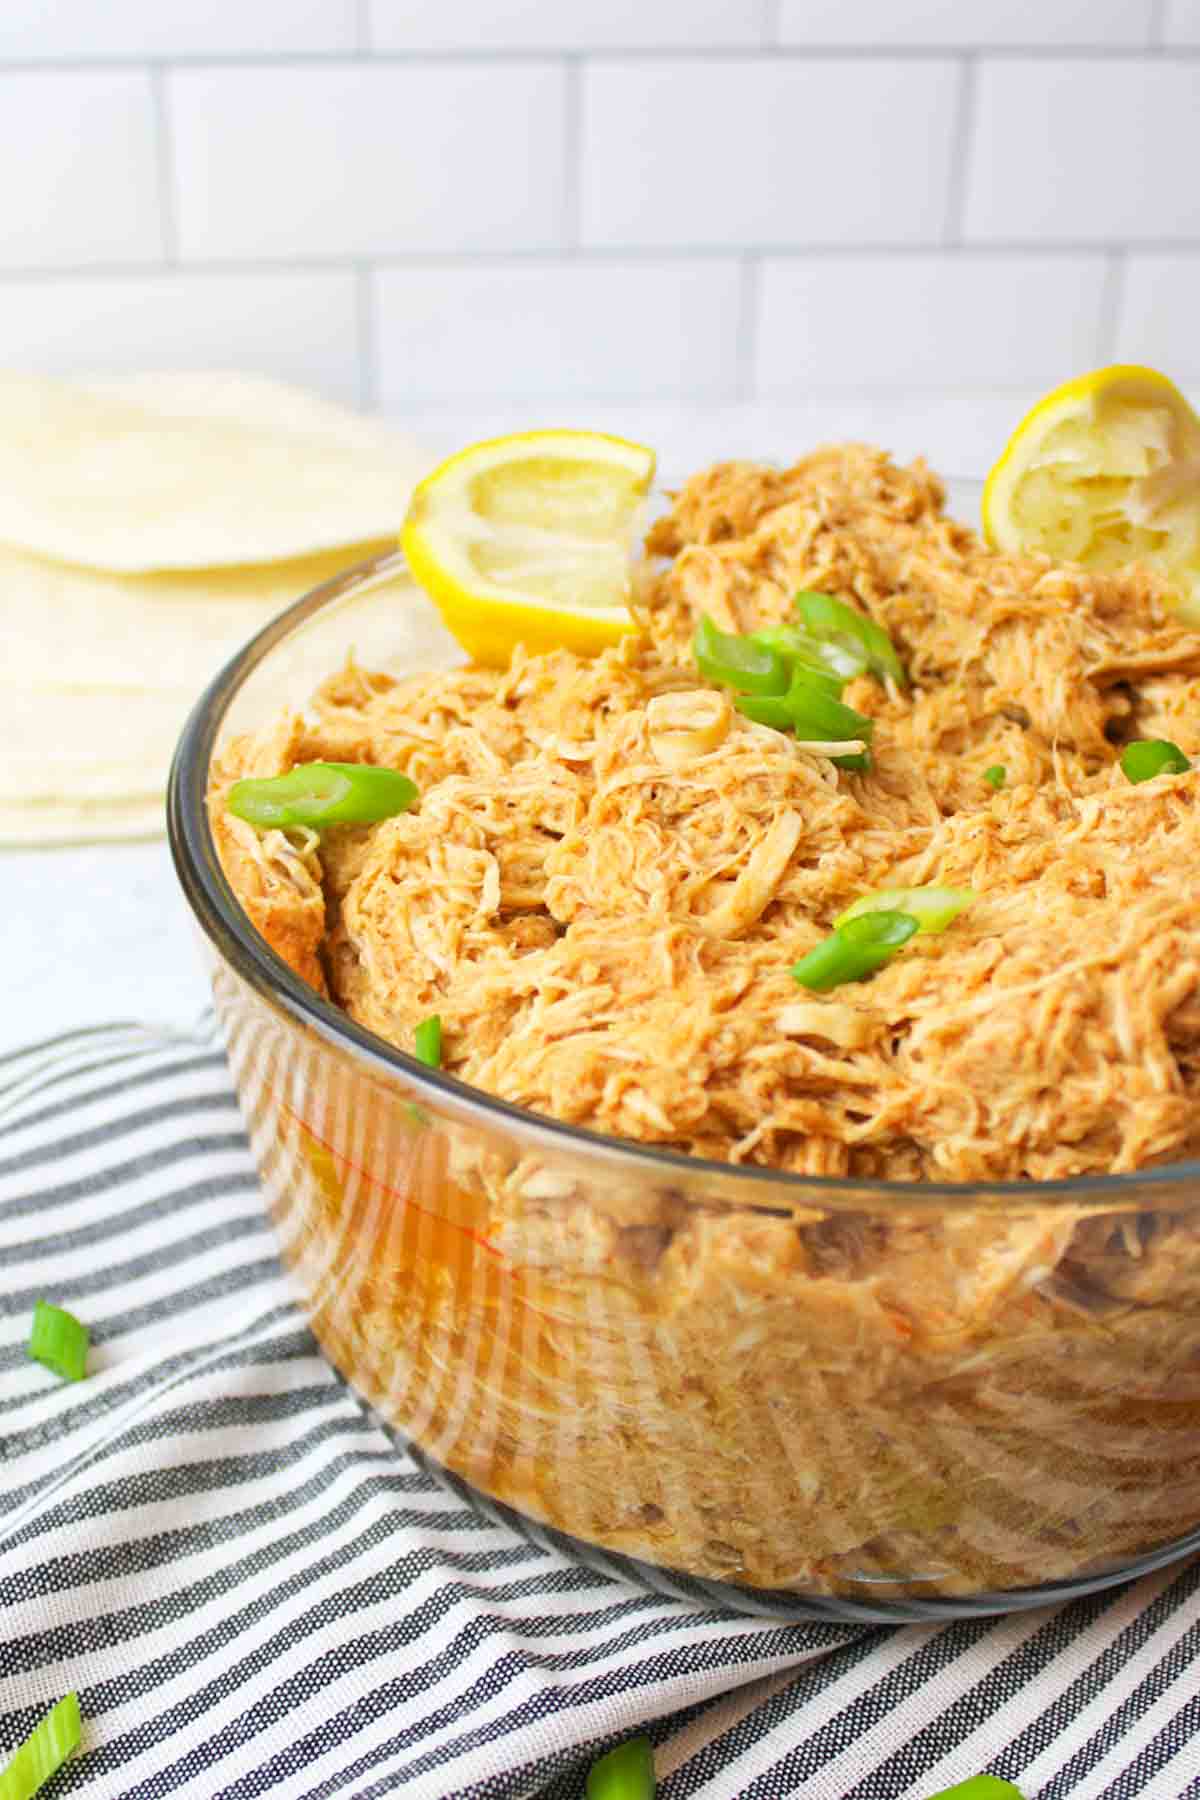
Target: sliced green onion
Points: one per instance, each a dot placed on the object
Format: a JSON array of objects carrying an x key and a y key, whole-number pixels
[
  {"x": 44, "y": 1751},
  {"x": 1147, "y": 757},
  {"x": 855, "y": 950},
  {"x": 817, "y": 656},
  {"x": 996, "y": 776},
  {"x": 789, "y": 679},
  {"x": 322, "y": 793},
  {"x": 932, "y": 907},
  {"x": 427, "y": 1043},
  {"x": 860, "y": 760},
  {"x": 810, "y": 710},
  {"x": 979, "y": 1787},
  {"x": 837, "y": 624},
  {"x": 626, "y": 1773},
  {"x": 59, "y": 1341},
  {"x": 767, "y": 709},
  {"x": 737, "y": 662}
]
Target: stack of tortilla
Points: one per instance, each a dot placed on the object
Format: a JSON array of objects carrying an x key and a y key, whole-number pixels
[{"x": 148, "y": 527}]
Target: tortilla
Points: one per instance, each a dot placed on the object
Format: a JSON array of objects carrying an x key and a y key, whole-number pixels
[
  {"x": 193, "y": 471},
  {"x": 51, "y": 823},
  {"x": 149, "y": 526},
  {"x": 237, "y": 400},
  {"x": 104, "y": 669},
  {"x": 83, "y": 628}
]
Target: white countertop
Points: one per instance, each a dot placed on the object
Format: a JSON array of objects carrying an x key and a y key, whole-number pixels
[
  {"x": 101, "y": 932},
  {"x": 95, "y": 934}
]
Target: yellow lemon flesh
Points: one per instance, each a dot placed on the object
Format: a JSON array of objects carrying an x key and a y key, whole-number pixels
[
  {"x": 528, "y": 540},
  {"x": 1105, "y": 471}
]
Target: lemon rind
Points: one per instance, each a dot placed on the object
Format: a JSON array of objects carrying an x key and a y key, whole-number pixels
[
  {"x": 489, "y": 618},
  {"x": 1077, "y": 396}
]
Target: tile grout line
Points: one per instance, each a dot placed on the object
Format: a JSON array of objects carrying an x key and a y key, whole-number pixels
[
  {"x": 636, "y": 255},
  {"x": 368, "y": 337},
  {"x": 572, "y": 152},
  {"x": 1112, "y": 294},
  {"x": 961, "y": 136},
  {"x": 793, "y": 398},
  {"x": 764, "y": 54},
  {"x": 164, "y": 159}
]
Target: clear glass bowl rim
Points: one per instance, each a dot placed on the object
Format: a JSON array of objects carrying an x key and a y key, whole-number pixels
[{"x": 227, "y": 927}]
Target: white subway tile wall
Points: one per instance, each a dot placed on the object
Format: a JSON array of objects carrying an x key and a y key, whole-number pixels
[
  {"x": 297, "y": 326},
  {"x": 927, "y": 319},
  {"x": 966, "y": 24},
  {"x": 1181, "y": 22},
  {"x": 352, "y": 160},
  {"x": 1160, "y": 306},
  {"x": 1085, "y": 152},
  {"x": 661, "y": 203},
  {"x": 757, "y": 152},
  {"x": 81, "y": 180},
  {"x": 67, "y": 30},
  {"x": 581, "y": 25},
  {"x": 546, "y": 329}
]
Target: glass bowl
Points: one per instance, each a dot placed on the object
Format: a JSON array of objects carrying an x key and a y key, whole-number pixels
[{"x": 779, "y": 1394}]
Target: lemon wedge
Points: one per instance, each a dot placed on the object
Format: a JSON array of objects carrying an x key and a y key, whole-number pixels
[
  {"x": 527, "y": 540},
  {"x": 1105, "y": 471}
]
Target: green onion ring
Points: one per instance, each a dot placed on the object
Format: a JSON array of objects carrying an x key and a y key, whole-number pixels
[
  {"x": 318, "y": 794},
  {"x": 855, "y": 950}
]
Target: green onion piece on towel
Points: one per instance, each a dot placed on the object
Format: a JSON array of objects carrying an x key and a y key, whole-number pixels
[
  {"x": 626, "y": 1773},
  {"x": 44, "y": 1751},
  {"x": 59, "y": 1341}
]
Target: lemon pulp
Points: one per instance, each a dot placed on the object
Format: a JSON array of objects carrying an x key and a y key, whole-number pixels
[
  {"x": 1105, "y": 471},
  {"x": 528, "y": 539}
]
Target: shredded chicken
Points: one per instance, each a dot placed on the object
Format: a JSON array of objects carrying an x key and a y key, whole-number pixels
[
  {"x": 611, "y": 872},
  {"x": 602, "y": 892},
  {"x": 276, "y": 877}
]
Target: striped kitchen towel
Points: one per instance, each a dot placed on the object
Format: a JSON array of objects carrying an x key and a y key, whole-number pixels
[{"x": 256, "y": 1590}]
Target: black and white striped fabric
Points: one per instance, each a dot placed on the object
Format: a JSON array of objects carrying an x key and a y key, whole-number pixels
[{"x": 257, "y": 1591}]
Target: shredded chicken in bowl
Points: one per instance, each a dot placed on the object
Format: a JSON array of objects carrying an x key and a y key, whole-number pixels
[
  {"x": 602, "y": 892},
  {"x": 612, "y": 872}
]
